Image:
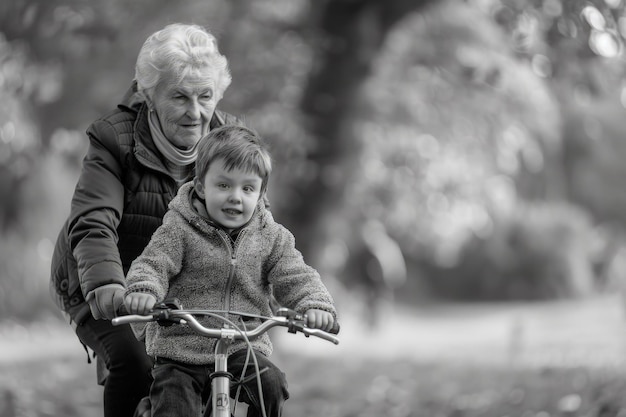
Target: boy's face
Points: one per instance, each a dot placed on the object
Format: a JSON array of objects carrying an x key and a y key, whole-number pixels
[{"x": 230, "y": 196}]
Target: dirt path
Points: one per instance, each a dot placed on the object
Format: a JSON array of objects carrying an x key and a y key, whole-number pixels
[{"x": 590, "y": 332}]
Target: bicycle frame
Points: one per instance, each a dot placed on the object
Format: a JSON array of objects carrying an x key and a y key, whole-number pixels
[{"x": 220, "y": 379}]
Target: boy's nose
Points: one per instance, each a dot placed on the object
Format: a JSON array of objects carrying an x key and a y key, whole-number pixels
[{"x": 235, "y": 196}]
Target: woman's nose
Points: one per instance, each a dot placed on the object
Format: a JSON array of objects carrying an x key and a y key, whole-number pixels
[{"x": 193, "y": 109}]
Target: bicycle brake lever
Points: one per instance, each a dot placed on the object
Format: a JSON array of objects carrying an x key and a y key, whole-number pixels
[
  {"x": 289, "y": 313},
  {"x": 162, "y": 310},
  {"x": 295, "y": 321}
]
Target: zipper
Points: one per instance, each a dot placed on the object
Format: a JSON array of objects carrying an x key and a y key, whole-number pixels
[
  {"x": 232, "y": 249},
  {"x": 231, "y": 276}
]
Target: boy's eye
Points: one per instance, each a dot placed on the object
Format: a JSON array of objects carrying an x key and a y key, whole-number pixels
[
  {"x": 222, "y": 185},
  {"x": 248, "y": 189}
]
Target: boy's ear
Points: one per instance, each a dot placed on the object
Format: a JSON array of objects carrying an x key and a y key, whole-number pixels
[
  {"x": 197, "y": 185},
  {"x": 264, "y": 199}
]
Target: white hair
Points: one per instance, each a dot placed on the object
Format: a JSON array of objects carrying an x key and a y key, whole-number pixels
[{"x": 177, "y": 50}]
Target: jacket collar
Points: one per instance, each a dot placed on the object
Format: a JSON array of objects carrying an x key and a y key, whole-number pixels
[{"x": 145, "y": 150}]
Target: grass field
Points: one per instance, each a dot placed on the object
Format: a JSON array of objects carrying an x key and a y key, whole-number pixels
[
  {"x": 487, "y": 361},
  {"x": 329, "y": 388}
]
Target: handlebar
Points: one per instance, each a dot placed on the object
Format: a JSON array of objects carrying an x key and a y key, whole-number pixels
[{"x": 285, "y": 318}]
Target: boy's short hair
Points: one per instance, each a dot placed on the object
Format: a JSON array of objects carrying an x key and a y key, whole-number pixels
[{"x": 239, "y": 147}]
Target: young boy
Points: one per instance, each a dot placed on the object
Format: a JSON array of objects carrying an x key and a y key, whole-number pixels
[{"x": 220, "y": 248}]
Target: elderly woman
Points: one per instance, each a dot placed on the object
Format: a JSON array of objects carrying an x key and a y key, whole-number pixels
[{"x": 138, "y": 156}]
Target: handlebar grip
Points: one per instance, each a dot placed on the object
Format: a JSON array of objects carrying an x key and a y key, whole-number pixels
[
  {"x": 321, "y": 334},
  {"x": 131, "y": 318}
]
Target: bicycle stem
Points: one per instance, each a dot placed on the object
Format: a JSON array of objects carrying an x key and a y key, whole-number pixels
[{"x": 220, "y": 379}]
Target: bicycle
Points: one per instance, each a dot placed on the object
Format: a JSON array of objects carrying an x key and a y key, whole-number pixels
[{"x": 171, "y": 313}]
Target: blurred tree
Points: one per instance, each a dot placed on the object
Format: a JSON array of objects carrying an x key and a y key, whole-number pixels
[
  {"x": 579, "y": 47},
  {"x": 581, "y": 29},
  {"x": 453, "y": 128},
  {"x": 351, "y": 35},
  {"x": 36, "y": 39},
  {"x": 462, "y": 130}
]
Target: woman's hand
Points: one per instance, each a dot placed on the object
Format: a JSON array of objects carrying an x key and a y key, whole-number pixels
[
  {"x": 139, "y": 303},
  {"x": 319, "y": 319},
  {"x": 105, "y": 301}
]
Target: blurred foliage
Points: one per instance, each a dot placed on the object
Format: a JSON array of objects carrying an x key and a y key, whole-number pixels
[
  {"x": 454, "y": 124},
  {"x": 448, "y": 150},
  {"x": 538, "y": 251}
]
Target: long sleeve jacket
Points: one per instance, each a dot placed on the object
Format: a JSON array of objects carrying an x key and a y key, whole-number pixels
[{"x": 192, "y": 259}]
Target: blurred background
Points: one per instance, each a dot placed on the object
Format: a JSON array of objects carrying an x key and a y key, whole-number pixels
[{"x": 447, "y": 165}]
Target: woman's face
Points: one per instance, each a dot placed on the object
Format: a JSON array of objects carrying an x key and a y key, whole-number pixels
[{"x": 186, "y": 108}]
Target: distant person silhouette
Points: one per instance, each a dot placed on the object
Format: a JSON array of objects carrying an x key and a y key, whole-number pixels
[{"x": 381, "y": 266}]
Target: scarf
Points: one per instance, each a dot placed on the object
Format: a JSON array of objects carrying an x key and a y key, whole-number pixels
[{"x": 173, "y": 154}]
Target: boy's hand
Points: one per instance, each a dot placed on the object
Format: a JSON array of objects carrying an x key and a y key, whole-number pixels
[
  {"x": 319, "y": 319},
  {"x": 139, "y": 303}
]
